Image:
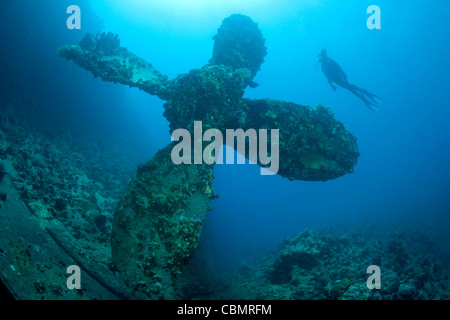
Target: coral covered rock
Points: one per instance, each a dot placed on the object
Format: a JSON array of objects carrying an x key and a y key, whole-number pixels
[
  {"x": 303, "y": 252},
  {"x": 332, "y": 265},
  {"x": 2, "y": 170},
  {"x": 406, "y": 291}
]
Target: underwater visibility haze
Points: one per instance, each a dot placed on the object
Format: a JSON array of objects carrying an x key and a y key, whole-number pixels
[{"x": 89, "y": 117}]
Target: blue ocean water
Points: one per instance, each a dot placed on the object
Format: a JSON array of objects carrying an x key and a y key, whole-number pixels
[{"x": 403, "y": 174}]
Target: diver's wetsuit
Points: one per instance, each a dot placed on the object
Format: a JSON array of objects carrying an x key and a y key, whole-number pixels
[{"x": 335, "y": 74}]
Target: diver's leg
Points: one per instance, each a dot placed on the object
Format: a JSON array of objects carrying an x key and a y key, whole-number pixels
[
  {"x": 358, "y": 92},
  {"x": 363, "y": 92},
  {"x": 353, "y": 89}
]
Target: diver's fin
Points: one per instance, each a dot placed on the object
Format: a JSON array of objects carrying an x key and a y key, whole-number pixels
[
  {"x": 372, "y": 106},
  {"x": 371, "y": 96}
]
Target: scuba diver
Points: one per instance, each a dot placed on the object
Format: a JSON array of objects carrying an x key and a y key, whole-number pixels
[{"x": 335, "y": 74}]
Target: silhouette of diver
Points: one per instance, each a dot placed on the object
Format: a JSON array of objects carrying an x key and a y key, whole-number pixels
[{"x": 334, "y": 73}]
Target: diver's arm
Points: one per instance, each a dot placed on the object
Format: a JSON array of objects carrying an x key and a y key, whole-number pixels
[
  {"x": 340, "y": 71},
  {"x": 105, "y": 58},
  {"x": 333, "y": 65},
  {"x": 332, "y": 85}
]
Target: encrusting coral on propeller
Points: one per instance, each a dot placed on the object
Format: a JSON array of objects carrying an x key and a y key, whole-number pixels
[
  {"x": 105, "y": 58},
  {"x": 158, "y": 222},
  {"x": 159, "y": 219},
  {"x": 233, "y": 49}
]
